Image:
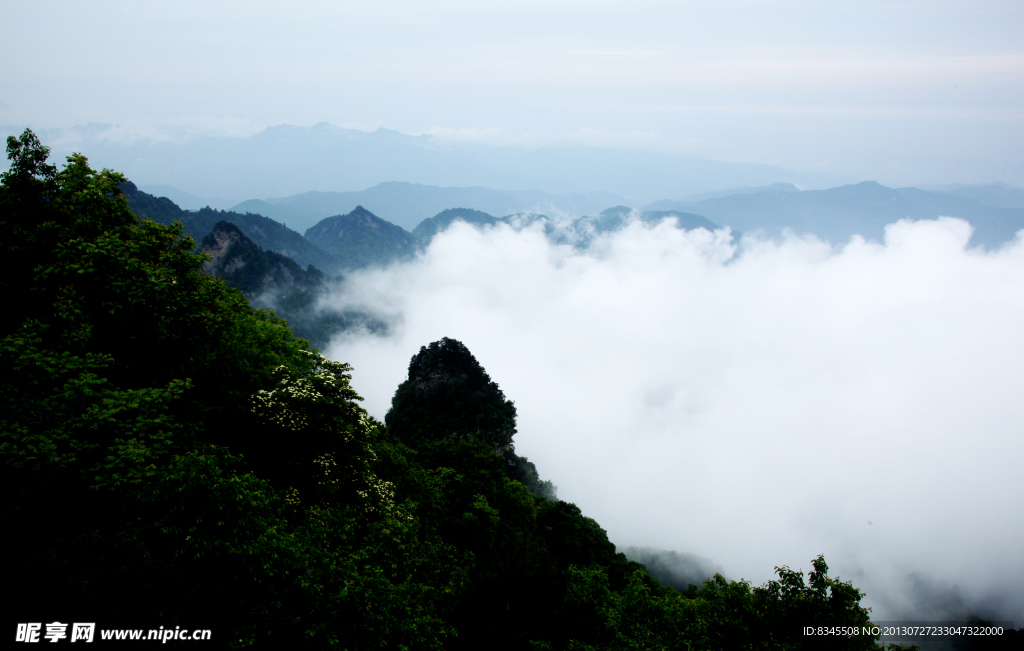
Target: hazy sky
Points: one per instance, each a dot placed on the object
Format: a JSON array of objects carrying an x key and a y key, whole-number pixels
[
  {"x": 900, "y": 92},
  {"x": 755, "y": 405}
]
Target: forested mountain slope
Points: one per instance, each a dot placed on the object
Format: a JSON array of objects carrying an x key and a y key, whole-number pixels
[
  {"x": 275, "y": 282},
  {"x": 360, "y": 239},
  {"x": 265, "y": 232},
  {"x": 252, "y": 270}
]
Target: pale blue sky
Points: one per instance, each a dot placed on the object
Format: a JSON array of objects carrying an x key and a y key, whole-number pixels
[{"x": 904, "y": 92}]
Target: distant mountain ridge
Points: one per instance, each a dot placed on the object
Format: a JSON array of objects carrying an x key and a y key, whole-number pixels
[
  {"x": 360, "y": 238},
  {"x": 408, "y": 204},
  {"x": 614, "y": 218},
  {"x": 998, "y": 195},
  {"x": 836, "y": 214},
  {"x": 185, "y": 200},
  {"x": 774, "y": 187},
  {"x": 265, "y": 232},
  {"x": 264, "y": 259},
  {"x": 286, "y": 160},
  {"x": 428, "y": 228}
]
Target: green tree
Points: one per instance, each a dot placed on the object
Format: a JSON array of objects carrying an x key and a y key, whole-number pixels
[
  {"x": 171, "y": 455},
  {"x": 449, "y": 395}
]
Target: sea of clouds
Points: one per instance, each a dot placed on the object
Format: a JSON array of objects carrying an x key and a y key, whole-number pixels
[{"x": 754, "y": 402}]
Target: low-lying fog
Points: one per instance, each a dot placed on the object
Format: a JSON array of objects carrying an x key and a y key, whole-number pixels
[{"x": 754, "y": 403}]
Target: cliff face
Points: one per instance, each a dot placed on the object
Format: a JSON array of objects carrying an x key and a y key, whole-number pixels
[
  {"x": 252, "y": 270},
  {"x": 275, "y": 282},
  {"x": 218, "y": 245}
]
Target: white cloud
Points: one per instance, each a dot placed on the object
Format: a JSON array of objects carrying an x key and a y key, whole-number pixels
[{"x": 757, "y": 404}]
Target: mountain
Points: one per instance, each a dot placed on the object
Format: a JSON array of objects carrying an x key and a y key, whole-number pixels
[
  {"x": 836, "y": 214},
  {"x": 159, "y": 209},
  {"x": 184, "y": 199},
  {"x": 638, "y": 175},
  {"x": 275, "y": 282},
  {"x": 246, "y": 266},
  {"x": 686, "y": 221},
  {"x": 578, "y": 232},
  {"x": 428, "y": 228},
  {"x": 614, "y": 218},
  {"x": 449, "y": 396},
  {"x": 581, "y": 232},
  {"x": 407, "y": 204},
  {"x": 360, "y": 239},
  {"x": 265, "y": 232},
  {"x": 286, "y": 160},
  {"x": 666, "y": 204},
  {"x": 608, "y": 220},
  {"x": 999, "y": 195}
]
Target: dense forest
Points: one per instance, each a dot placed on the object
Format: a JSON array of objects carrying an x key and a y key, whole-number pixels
[{"x": 173, "y": 456}]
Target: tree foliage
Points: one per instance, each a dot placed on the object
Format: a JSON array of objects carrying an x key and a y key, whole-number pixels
[
  {"x": 361, "y": 239},
  {"x": 449, "y": 395},
  {"x": 170, "y": 452}
]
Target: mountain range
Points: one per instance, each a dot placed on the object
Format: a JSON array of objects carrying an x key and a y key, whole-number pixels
[
  {"x": 407, "y": 204},
  {"x": 836, "y": 214},
  {"x": 263, "y": 231},
  {"x": 280, "y": 269},
  {"x": 359, "y": 237},
  {"x": 1000, "y": 195},
  {"x": 257, "y": 174},
  {"x": 272, "y": 281},
  {"x": 285, "y": 160}
]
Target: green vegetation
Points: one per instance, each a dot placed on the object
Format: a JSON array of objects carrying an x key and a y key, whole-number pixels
[
  {"x": 449, "y": 397},
  {"x": 263, "y": 231},
  {"x": 275, "y": 282},
  {"x": 173, "y": 456},
  {"x": 258, "y": 256},
  {"x": 361, "y": 239}
]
